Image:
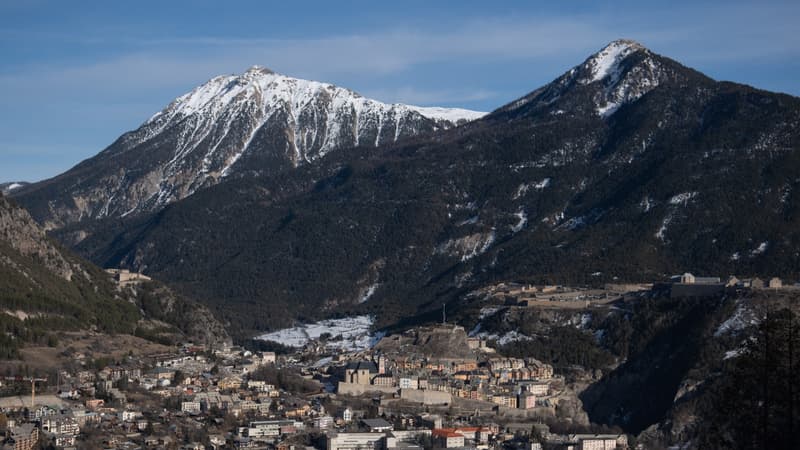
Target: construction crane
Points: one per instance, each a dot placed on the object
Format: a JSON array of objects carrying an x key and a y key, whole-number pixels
[{"x": 32, "y": 380}]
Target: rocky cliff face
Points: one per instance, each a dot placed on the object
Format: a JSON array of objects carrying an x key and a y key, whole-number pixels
[
  {"x": 23, "y": 234},
  {"x": 258, "y": 121},
  {"x": 444, "y": 341}
]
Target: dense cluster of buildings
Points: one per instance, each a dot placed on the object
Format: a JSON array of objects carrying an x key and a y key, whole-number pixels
[
  {"x": 169, "y": 390},
  {"x": 198, "y": 399},
  {"x": 509, "y": 382}
]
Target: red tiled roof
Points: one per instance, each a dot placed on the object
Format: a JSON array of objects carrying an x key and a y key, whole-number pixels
[{"x": 446, "y": 433}]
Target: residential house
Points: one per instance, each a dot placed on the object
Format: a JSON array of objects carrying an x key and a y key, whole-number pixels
[
  {"x": 23, "y": 437},
  {"x": 536, "y": 388},
  {"x": 383, "y": 380},
  {"x": 377, "y": 425},
  {"x": 447, "y": 438},
  {"x": 505, "y": 399},
  {"x": 356, "y": 441},
  {"x": 526, "y": 400},
  {"x": 260, "y": 386},
  {"x": 230, "y": 383},
  {"x": 95, "y": 403},
  {"x": 407, "y": 382},
  {"x": 268, "y": 428},
  {"x": 475, "y": 435},
  {"x": 598, "y": 441},
  {"x": 190, "y": 407},
  {"x": 60, "y": 424},
  {"x": 323, "y": 422}
]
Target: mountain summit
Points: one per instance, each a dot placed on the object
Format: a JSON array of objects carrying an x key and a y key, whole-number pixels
[
  {"x": 619, "y": 74},
  {"x": 624, "y": 77},
  {"x": 607, "y": 61},
  {"x": 258, "y": 121}
]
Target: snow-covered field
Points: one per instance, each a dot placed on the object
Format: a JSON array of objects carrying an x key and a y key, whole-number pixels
[
  {"x": 502, "y": 339},
  {"x": 355, "y": 333}
]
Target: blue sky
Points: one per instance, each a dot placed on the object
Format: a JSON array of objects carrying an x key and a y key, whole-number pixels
[{"x": 76, "y": 75}]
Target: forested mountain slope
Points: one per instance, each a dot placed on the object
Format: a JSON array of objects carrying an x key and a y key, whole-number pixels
[
  {"x": 45, "y": 289},
  {"x": 629, "y": 166}
]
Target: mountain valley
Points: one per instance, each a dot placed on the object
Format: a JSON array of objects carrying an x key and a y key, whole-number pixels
[
  {"x": 300, "y": 218},
  {"x": 557, "y": 187}
]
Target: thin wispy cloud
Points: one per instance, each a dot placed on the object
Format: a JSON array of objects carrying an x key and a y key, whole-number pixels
[
  {"x": 380, "y": 53},
  {"x": 166, "y": 61},
  {"x": 480, "y": 61}
]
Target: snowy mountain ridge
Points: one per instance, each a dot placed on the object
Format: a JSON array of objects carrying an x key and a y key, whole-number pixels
[
  {"x": 259, "y": 121},
  {"x": 319, "y": 118},
  {"x": 221, "y": 91}
]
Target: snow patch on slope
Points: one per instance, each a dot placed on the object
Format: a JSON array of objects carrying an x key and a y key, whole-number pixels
[
  {"x": 469, "y": 221},
  {"x": 646, "y": 204},
  {"x": 525, "y": 187},
  {"x": 682, "y": 198},
  {"x": 466, "y": 247},
  {"x": 762, "y": 247},
  {"x": 678, "y": 200},
  {"x": 368, "y": 293},
  {"x": 523, "y": 220},
  {"x": 355, "y": 333},
  {"x": 662, "y": 230},
  {"x": 505, "y": 338},
  {"x": 738, "y": 321},
  {"x": 733, "y": 353}
]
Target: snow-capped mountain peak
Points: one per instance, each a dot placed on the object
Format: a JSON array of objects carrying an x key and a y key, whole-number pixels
[
  {"x": 274, "y": 88},
  {"x": 606, "y": 62},
  {"x": 314, "y": 113},
  {"x": 620, "y": 73},
  {"x": 257, "y": 121},
  {"x": 623, "y": 81}
]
